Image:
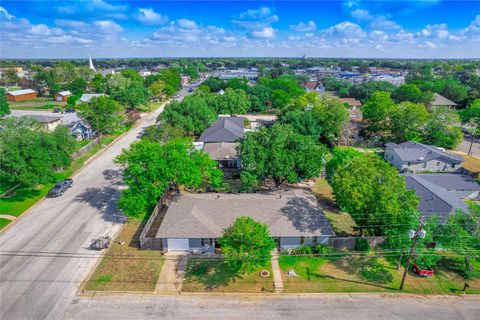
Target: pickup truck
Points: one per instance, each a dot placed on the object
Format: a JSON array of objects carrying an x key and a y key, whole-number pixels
[
  {"x": 427, "y": 272},
  {"x": 59, "y": 188}
]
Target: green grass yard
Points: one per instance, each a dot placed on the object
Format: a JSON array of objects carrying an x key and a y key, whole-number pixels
[
  {"x": 366, "y": 274},
  {"x": 4, "y": 222},
  {"x": 215, "y": 275},
  {"x": 39, "y": 103}
]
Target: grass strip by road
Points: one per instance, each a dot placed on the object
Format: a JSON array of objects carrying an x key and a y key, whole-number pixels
[
  {"x": 25, "y": 198},
  {"x": 4, "y": 222},
  {"x": 215, "y": 275},
  {"x": 126, "y": 267}
]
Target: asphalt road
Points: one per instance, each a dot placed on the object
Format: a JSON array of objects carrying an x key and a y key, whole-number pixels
[
  {"x": 44, "y": 255},
  {"x": 331, "y": 307}
]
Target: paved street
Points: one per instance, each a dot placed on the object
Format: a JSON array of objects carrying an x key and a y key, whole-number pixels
[
  {"x": 332, "y": 307},
  {"x": 44, "y": 255}
]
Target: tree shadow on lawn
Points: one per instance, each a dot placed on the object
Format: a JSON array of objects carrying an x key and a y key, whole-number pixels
[
  {"x": 22, "y": 194},
  {"x": 211, "y": 274},
  {"x": 369, "y": 269}
]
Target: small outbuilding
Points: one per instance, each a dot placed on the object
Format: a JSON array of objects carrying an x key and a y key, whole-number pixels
[
  {"x": 19, "y": 95},
  {"x": 62, "y": 95}
]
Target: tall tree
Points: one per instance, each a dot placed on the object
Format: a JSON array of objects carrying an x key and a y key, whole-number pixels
[
  {"x": 441, "y": 128},
  {"x": 103, "y": 114},
  {"x": 149, "y": 168},
  {"x": 246, "y": 244},
  {"x": 4, "y": 108},
  {"x": 374, "y": 194},
  {"x": 376, "y": 111},
  {"x": 408, "y": 121}
]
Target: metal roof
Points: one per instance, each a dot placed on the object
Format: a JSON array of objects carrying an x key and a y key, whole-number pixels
[
  {"x": 21, "y": 92},
  {"x": 293, "y": 212}
]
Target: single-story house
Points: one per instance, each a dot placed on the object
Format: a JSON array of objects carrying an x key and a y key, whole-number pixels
[
  {"x": 194, "y": 222},
  {"x": 351, "y": 102},
  {"x": 225, "y": 129},
  {"x": 225, "y": 154},
  {"x": 259, "y": 120},
  {"x": 80, "y": 130},
  {"x": 86, "y": 97},
  {"x": 19, "y": 95},
  {"x": 418, "y": 157},
  {"x": 313, "y": 86},
  {"x": 442, "y": 193},
  {"x": 62, "y": 95},
  {"x": 48, "y": 122},
  {"x": 439, "y": 101}
]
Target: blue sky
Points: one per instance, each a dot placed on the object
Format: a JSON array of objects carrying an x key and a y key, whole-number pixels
[{"x": 350, "y": 28}]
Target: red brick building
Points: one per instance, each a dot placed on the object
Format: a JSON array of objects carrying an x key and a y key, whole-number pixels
[{"x": 19, "y": 95}]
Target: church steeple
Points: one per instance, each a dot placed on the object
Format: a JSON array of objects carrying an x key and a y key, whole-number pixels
[{"x": 90, "y": 63}]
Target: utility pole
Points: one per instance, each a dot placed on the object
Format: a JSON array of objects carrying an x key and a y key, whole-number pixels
[
  {"x": 473, "y": 138},
  {"x": 412, "y": 248}
]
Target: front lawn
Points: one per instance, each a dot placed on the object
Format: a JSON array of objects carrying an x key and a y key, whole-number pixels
[
  {"x": 126, "y": 267},
  {"x": 353, "y": 273},
  {"x": 39, "y": 103},
  {"x": 4, "y": 222},
  {"x": 215, "y": 275}
]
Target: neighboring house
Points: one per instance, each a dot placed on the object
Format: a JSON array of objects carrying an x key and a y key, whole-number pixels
[
  {"x": 48, "y": 122},
  {"x": 225, "y": 153},
  {"x": 417, "y": 157},
  {"x": 442, "y": 193},
  {"x": 313, "y": 86},
  {"x": 441, "y": 101},
  {"x": 19, "y": 95},
  {"x": 194, "y": 222},
  {"x": 86, "y": 97},
  {"x": 258, "y": 120},
  {"x": 351, "y": 102},
  {"x": 80, "y": 130},
  {"x": 225, "y": 129},
  {"x": 62, "y": 95}
]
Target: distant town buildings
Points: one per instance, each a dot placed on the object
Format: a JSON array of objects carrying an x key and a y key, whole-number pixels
[{"x": 238, "y": 73}]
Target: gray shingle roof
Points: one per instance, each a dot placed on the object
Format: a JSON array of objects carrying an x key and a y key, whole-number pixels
[
  {"x": 416, "y": 152},
  {"x": 441, "y": 193},
  {"x": 225, "y": 129},
  {"x": 294, "y": 212},
  {"x": 221, "y": 150},
  {"x": 439, "y": 100}
]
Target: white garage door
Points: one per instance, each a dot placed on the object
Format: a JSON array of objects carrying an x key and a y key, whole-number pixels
[{"x": 178, "y": 245}]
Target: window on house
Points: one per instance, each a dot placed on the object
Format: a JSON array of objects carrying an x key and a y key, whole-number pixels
[
  {"x": 314, "y": 239},
  {"x": 453, "y": 165},
  {"x": 409, "y": 163},
  {"x": 438, "y": 163},
  {"x": 302, "y": 240},
  {"x": 424, "y": 165},
  {"x": 207, "y": 242}
]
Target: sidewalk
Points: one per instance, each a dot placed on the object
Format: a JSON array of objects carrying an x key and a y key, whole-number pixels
[
  {"x": 277, "y": 272},
  {"x": 173, "y": 273}
]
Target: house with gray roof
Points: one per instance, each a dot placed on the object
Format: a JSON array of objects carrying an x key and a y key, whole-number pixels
[
  {"x": 194, "y": 222},
  {"x": 413, "y": 156},
  {"x": 86, "y": 97},
  {"x": 442, "y": 193},
  {"x": 441, "y": 101},
  {"x": 225, "y": 129},
  {"x": 225, "y": 154}
]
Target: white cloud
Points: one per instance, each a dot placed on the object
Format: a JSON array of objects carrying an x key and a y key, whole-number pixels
[
  {"x": 149, "y": 17},
  {"x": 361, "y": 14},
  {"x": 255, "y": 19},
  {"x": 108, "y": 26},
  {"x": 346, "y": 30},
  {"x": 74, "y": 24},
  {"x": 431, "y": 44},
  {"x": 7, "y": 15},
  {"x": 102, "y": 5},
  {"x": 382, "y": 22},
  {"x": 265, "y": 33},
  {"x": 187, "y": 24},
  {"x": 304, "y": 27}
]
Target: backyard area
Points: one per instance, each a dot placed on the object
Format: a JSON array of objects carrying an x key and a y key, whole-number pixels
[
  {"x": 215, "y": 275},
  {"x": 125, "y": 267},
  {"x": 24, "y": 198},
  {"x": 40, "y": 103},
  {"x": 353, "y": 273}
]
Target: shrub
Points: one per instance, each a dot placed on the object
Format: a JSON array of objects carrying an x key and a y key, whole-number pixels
[
  {"x": 323, "y": 249},
  {"x": 361, "y": 244}
]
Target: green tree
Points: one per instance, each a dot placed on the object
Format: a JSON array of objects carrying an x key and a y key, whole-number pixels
[
  {"x": 374, "y": 194},
  {"x": 471, "y": 114},
  {"x": 246, "y": 244},
  {"x": 260, "y": 97},
  {"x": 408, "y": 121},
  {"x": 163, "y": 133},
  {"x": 231, "y": 102},
  {"x": 192, "y": 114},
  {"x": 238, "y": 83},
  {"x": 340, "y": 157},
  {"x": 280, "y": 154},
  {"x": 376, "y": 111},
  {"x": 441, "y": 129},
  {"x": 30, "y": 155},
  {"x": 150, "y": 167},
  {"x": 215, "y": 84},
  {"x": 9, "y": 77},
  {"x": 363, "y": 91},
  {"x": 103, "y": 114},
  {"x": 4, "y": 108},
  {"x": 408, "y": 92}
]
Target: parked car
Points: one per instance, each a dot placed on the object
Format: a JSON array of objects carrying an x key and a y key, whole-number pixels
[
  {"x": 56, "y": 110},
  {"x": 70, "y": 110},
  {"x": 176, "y": 96},
  {"x": 426, "y": 272},
  {"x": 60, "y": 187}
]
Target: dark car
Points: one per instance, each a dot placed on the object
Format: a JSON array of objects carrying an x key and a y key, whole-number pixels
[
  {"x": 59, "y": 188},
  {"x": 56, "y": 110},
  {"x": 70, "y": 110}
]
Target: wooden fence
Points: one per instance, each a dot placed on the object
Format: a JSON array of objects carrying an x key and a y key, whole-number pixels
[
  {"x": 80, "y": 152},
  {"x": 349, "y": 242}
]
